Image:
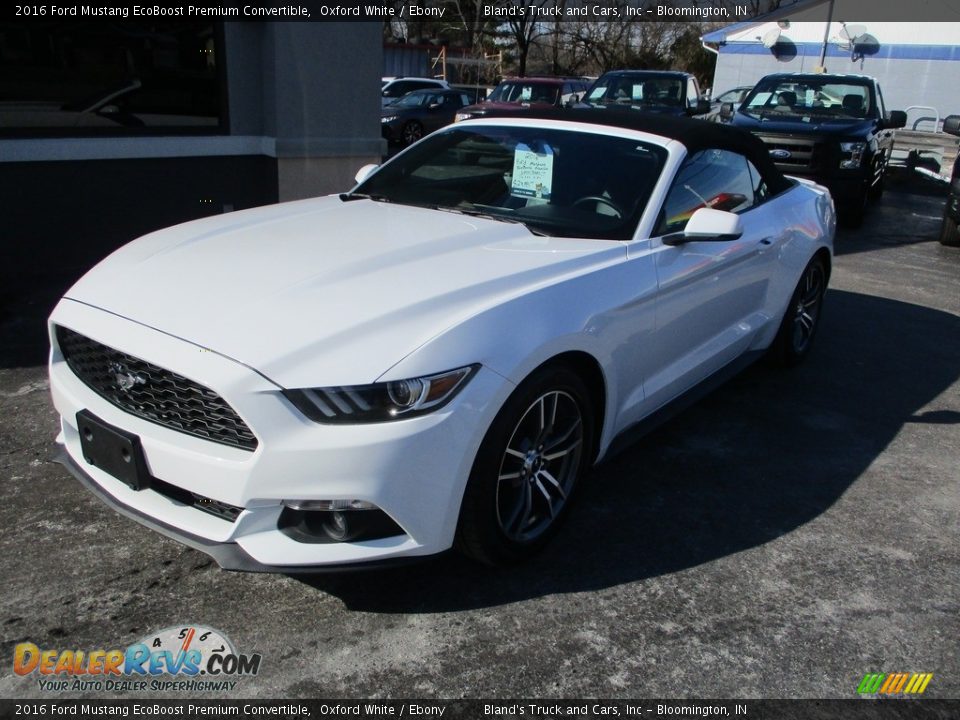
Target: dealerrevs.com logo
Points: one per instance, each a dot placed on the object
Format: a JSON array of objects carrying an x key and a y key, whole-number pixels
[{"x": 183, "y": 658}]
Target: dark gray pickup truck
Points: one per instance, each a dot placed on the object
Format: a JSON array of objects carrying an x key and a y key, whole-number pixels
[{"x": 834, "y": 129}]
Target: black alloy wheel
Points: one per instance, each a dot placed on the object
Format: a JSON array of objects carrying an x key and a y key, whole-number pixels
[
  {"x": 412, "y": 132},
  {"x": 528, "y": 468},
  {"x": 802, "y": 319}
]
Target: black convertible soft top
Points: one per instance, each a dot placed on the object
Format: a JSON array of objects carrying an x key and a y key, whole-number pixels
[{"x": 694, "y": 134}]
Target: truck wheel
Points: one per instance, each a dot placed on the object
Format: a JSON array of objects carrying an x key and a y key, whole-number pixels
[
  {"x": 852, "y": 213},
  {"x": 949, "y": 232}
]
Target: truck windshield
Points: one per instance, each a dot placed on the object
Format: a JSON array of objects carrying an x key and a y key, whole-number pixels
[
  {"x": 821, "y": 97},
  {"x": 637, "y": 90},
  {"x": 520, "y": 92}
]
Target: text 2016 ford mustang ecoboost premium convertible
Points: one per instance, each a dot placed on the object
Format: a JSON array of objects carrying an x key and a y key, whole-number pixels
[{"x": 438, "y": 357}]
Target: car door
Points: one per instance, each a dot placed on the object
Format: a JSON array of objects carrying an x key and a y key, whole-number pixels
[
  {"x": 437, "y": 112},
  {"x": 710, "y": 294}
]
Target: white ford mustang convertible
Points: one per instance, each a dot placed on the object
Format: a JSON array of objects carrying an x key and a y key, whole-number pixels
[{"x": 437, "y": 358}]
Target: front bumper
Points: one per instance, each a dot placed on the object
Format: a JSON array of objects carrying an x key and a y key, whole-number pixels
[
  {"x": 392, "y": 132},
  {"x": 228, "y": 555},
  {"x": 413, "y": 470}
]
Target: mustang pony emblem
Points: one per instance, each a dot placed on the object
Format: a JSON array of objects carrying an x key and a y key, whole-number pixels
[{"x": 124, "y": 378}]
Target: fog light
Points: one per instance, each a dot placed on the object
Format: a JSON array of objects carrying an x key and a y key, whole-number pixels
[
  {"x": 335, "y": 521},
  {"x": 336, "y": 526},
  {"x": 329, "y": 505}
]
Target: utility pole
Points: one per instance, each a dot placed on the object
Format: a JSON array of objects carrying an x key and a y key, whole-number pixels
[{"x": 821, "y": 68}]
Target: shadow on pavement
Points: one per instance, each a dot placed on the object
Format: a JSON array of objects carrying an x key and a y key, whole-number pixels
[{"x": 758, "y": 458}]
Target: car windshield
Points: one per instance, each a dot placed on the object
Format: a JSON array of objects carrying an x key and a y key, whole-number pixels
[
  {"x": 555, "y": 182},
  {"x": 637, "y": 90},
  {"x": 416, "y": 99},
  {"x": 808, "y": 97},
  {"x": 520, "y": 92}
]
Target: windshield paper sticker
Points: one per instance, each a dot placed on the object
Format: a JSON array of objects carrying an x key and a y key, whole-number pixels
[{"x": 532, "y": 172}]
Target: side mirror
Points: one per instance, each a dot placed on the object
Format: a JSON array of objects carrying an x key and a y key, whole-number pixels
[
  {"x": 951, "y": 124},
  {"x": 726, "y": 111},
  {"x": 895, "y": 119},
  {"x": 365, "y": 172},
  {"x": 708, "y": 225},
  {"x": 702, "y": 107}
]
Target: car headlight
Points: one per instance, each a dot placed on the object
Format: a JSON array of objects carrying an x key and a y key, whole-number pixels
[
  {"x": 380, "y": 402},
  {"x": 388, "y": 118},
  {"x": 853, "y": 154},
  {"x": 462, "y": 116}
]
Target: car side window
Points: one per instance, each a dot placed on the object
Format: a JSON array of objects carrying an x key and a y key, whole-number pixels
[
  {"x": 718, "y": 179},
  {"x": 692, "y": 93}
]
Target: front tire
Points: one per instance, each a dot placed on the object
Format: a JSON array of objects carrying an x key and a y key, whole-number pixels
[
  {"x": 412, "y": 132},
  {"x": 949, "y": 232},
  {"x": 853, "y": 212},
  {"x": 528, "y": 468},
  {"x": 802, "y": 319}
]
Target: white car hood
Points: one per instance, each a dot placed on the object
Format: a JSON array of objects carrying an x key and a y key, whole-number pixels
[{"x": 326, "y": 292}]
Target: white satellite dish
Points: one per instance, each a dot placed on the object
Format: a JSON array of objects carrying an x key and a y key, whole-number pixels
[
  {"x": 770, "y": 38},
  {"x": 852, "y": 32}
]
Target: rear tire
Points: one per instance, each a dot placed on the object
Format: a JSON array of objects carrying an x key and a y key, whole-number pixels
[
  {"x": 949, "y": 232},
  {"x": 802, "y": 318},
  {"x": 527, "y": 469}
]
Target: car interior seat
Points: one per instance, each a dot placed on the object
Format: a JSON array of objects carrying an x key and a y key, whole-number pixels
[
  {"x": 853, "y": 104},
  {"x": 786, "y": 100}
]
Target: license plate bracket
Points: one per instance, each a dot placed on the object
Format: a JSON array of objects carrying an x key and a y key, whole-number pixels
[{"x": 113, "y": 450}]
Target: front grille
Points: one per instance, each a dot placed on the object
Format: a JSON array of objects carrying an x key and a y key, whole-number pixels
[
  {"x": 802, "y": 153},
  {"x": 153, "y": 393}
]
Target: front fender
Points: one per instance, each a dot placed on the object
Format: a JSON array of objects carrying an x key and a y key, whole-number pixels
[{"x": 607, "y": 314}]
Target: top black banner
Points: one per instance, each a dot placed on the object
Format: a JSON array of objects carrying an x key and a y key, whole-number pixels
[{"x": 714, "y": 11}]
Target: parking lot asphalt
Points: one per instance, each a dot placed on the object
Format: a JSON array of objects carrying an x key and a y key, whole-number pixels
[{"x": 789, "y": 533}]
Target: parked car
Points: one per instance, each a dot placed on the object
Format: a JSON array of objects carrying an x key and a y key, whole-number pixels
[
  {"x": 832, "y": 128},
  {"x": 393, "y": 89},
  {"x": 949, "y": 233},
  {"x": 664, "y": 92},
  {"x": 438, "y": 356},
  {"x": 734, "y": 97},
  {"x": 518, "y": 94},
  {"x": 419, "y": 113},
  {"x": 476, "y": 93}
]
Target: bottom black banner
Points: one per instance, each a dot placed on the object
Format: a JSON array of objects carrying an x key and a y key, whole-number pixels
[{"x": 862, "y": 709}]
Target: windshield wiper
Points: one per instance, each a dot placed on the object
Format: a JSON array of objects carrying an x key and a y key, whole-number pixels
[
  {"x": 473, "y": 212},
  {"x": 347, "y": 197}
]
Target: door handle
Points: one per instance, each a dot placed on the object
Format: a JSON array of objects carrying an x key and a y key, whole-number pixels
[{"x": 767, "y": 241}]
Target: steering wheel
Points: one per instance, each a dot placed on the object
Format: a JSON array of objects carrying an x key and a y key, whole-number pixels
[{"x": 601, "y": 200}]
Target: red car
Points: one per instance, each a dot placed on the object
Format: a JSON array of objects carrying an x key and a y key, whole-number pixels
[{"x": 530, "y": 92}]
